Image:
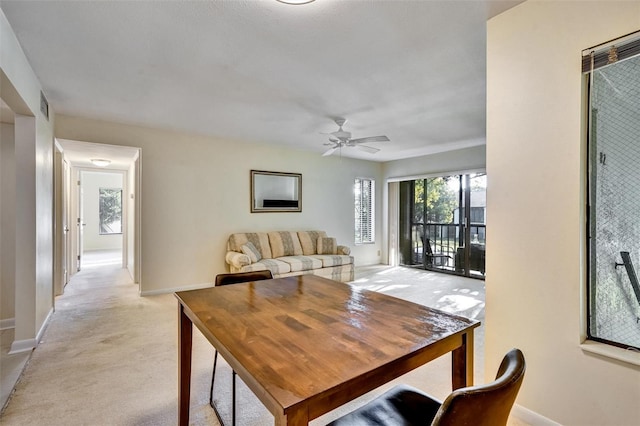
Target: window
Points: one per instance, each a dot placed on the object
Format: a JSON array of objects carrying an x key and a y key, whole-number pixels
[
  {"x": 364, "y": 191},
  {"x": 110, "y": 211},
  {"x": 613, "y": 76}
]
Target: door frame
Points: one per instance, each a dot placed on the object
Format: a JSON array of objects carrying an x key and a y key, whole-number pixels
[
  {"x": 61, "y": 216},
  {"x": 131, "y": 204},
  {"x": 80, "y": 219}
]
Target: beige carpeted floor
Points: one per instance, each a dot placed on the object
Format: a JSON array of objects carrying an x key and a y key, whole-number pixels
[{"x": 109, "y": 357}]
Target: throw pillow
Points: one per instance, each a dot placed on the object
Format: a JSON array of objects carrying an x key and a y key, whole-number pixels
[
  {"x": 327, "y": 245},
  {"x": 250, "y": 250}
]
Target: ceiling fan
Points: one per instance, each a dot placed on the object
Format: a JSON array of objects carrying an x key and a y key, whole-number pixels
[{"x": 341, "y": 138}]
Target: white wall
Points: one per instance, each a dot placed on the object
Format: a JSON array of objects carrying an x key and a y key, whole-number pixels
[
  {"x": 195, "y": 192},
  {"x": 7, "y": 223},
  {"x": 536, "y": 217},
  {"x": 34, "y": 193},
  {"x": 91, "y": 184},
  {"x": 473, "y": 158}
]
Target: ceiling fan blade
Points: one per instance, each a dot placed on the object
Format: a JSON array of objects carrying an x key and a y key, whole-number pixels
[
  {"x": 371, "y": 139},
  {"x": 368, "y": 149},
  {"x": 329, "y": 152}
]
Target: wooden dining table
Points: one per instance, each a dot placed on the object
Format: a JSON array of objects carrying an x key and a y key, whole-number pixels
[{"x": 306, "y": 345}]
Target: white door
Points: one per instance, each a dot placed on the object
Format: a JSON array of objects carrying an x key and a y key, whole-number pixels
[
  {"x": 80, "y": 223},
  {"x": 66, "y": 256}
]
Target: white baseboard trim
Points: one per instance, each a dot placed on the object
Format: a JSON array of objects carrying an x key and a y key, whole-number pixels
[
  {"x": 25, "y": 345},
  {"x": 19, "y": 346},
  {"x": 173, "y": 290},
  {"x": 531, "y": 417},
  {"x": 44, "y": 326},
  {"x": 8, "y": 323}
]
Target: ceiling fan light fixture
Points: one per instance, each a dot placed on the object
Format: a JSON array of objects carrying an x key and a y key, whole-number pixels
[
  {"x": 295, "y": 2},
  {"x": 100, "y": 162}
]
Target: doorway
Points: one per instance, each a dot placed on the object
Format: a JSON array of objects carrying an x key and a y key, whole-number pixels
[
  {"x": 103, "y": 214},
  {"x": 442, "y": 223}
]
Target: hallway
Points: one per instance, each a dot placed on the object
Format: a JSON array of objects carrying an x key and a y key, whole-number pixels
[{"x": 92, "y": 365}]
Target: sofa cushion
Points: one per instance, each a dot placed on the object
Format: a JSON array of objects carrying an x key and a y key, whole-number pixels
[
  {"x": 343, "y": 273},
  {"x": 327, "y": 246},
  {"x": 250, "y": 250},
  {"x": 284, "y": 243},
  {"x": 301, "y": 263},
  {"x": 309, "y": 241},
  {"x": 259, "y": 239},
  {"x": 333, "y": 260},
  {"x": 275, "y": 266}
]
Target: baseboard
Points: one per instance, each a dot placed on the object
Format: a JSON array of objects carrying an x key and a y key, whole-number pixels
[
  {"x": 531, "y": 417},
  {"x": 8, "y": 323},
  {"x": 173, "y": 290},
  {"x": 19, "y": 346},
  {"x": 25, "y": 345},
  {"x": 44, "y": 326}
]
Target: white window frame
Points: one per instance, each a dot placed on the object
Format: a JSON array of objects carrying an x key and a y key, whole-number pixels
[{"x": 366, "y": 220}]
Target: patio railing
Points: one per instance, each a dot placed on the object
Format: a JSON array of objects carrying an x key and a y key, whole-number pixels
[{"x": 445, "y": 238}]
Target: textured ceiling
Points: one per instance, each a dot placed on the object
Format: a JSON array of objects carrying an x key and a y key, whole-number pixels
[
  {"x": 263, "y": 71},
  {"x": 80, "y": 154}
]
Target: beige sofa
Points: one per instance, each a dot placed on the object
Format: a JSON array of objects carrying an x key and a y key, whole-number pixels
[{"x": 288, "y": 253}]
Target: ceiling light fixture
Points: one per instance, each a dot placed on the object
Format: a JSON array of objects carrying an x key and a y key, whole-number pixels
[
  {"x": 100, "y": 162},
  {"x": 295, "y": 1}
]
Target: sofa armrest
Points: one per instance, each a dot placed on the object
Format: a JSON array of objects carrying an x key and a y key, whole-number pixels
[
  {"x": 237, "y": 260},
  {"x": 344, "y": 250}
]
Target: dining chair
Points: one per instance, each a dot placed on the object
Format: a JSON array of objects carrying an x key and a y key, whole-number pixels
[
  {"x": 226, "y": 279},
  {"x": 483, "y": 405}
]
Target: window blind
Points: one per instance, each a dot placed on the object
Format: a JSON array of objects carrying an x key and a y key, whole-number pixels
[
  {"x": 364, "y": 208},
  {"x": 616, "y": 50}
]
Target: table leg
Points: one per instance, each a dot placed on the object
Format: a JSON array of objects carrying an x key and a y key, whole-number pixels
[
  {"x": 185, "y": 339},
  {"x": 462, "y": 362}
]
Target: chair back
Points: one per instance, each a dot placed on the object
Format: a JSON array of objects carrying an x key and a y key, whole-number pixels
[
  {"x": 485, "y": 405},
  {"x": 243, "y": 277},
  {"x": 427, "y": 246}
]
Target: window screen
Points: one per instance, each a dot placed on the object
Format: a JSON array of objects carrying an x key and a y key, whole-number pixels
[{"x": 614, "y": 196}]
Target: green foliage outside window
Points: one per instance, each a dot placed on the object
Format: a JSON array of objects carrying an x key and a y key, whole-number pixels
[
  {"x": 436, "y": 195},
  {"x": 110, "y": 211}
]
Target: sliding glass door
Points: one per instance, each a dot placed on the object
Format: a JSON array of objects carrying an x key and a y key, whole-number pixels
[{"x": 442, "y": 223}]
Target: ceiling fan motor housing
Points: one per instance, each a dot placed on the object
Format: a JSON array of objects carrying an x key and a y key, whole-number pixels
[
  {"x": 342, "y": 135},
  {"x": 341, "y": 138}
]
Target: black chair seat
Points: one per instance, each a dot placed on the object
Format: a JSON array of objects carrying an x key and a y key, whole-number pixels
[
  {"x": 483, "y": 405},
  {"x": 401, "y": 406}
]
